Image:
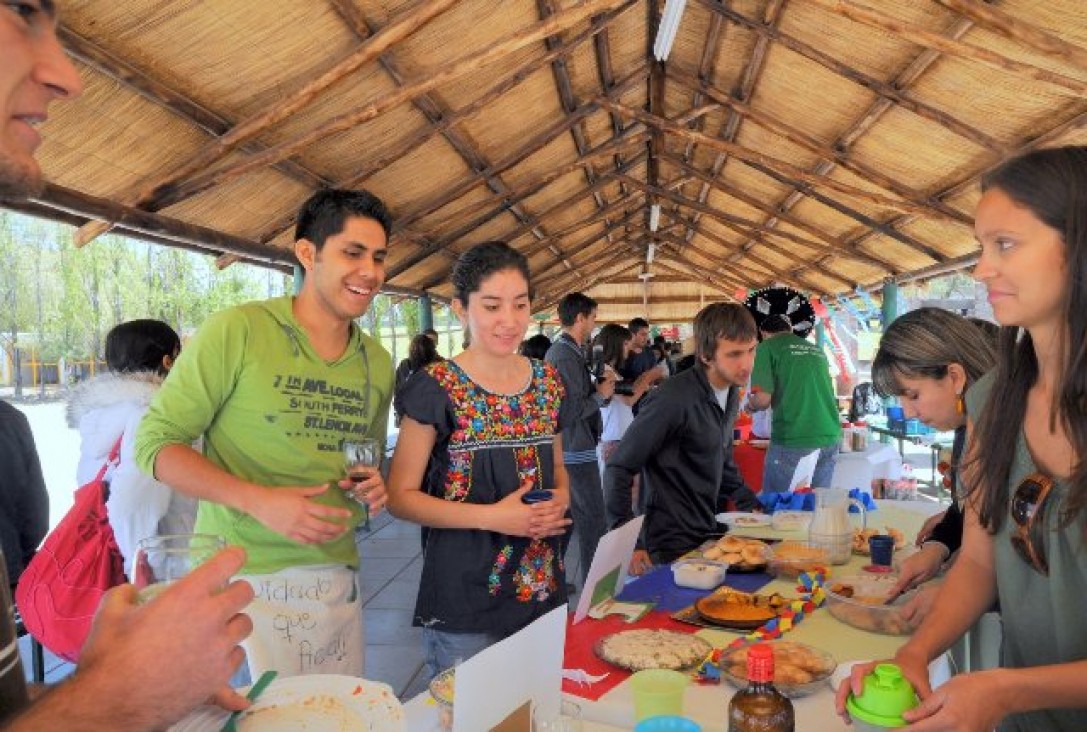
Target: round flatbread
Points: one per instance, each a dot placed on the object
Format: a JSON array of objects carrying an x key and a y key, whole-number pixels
[{"x": 637, "y": 650}]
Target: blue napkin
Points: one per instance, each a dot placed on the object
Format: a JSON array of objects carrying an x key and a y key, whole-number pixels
[
  {"x": 773, "y": 502},
  {"x": 657, "y": 586}
]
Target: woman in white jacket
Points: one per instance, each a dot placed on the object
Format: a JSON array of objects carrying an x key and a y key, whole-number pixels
[{"x": 109, "y": 406}]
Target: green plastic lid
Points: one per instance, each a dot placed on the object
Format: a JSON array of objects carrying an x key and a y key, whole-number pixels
[{"x": 887, "y": 694}]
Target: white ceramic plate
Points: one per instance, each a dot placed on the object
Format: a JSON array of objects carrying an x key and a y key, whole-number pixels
[
  {"x": 320, "y": 703},
  {"x": 742, "y": 519}
]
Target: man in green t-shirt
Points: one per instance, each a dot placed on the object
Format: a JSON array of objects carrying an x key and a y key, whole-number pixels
[
  {"x": 792, "y": 375},
  {"x": 275, "y": 388}
]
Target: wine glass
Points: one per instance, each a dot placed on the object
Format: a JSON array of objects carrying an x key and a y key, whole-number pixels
[
  {"x": 160, "y": 560},
  {"x": 362, "y": 459}
]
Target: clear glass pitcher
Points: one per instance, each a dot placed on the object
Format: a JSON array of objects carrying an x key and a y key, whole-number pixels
[{"x": 831, "y": 527}]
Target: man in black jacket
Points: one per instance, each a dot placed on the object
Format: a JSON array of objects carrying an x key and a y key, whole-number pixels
[
  {"x": 683, "y": 439},
  {"x": 24, "y": 501}
]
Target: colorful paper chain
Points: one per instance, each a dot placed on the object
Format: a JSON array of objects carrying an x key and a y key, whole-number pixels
[{"x": 812, "y": 596}]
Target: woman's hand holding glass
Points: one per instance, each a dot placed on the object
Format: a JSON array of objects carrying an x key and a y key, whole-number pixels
[{"x": 362, "y": 459}]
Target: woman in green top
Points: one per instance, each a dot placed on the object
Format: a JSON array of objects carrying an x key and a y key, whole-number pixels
[{"x": 1025, "y": 473}]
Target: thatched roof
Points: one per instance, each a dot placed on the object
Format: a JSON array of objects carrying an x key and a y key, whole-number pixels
[{"x": 823, "y": 144}]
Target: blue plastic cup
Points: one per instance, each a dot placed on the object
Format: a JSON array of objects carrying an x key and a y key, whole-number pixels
[
  {"x": 882, "y": 548},
  {"x": 668, "y": 723}
]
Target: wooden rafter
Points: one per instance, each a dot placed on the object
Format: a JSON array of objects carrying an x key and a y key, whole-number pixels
[
  {"x": 996, "y": 20},
  {"x": 881, "y": 88},
  {"x": 935, "y": 208},
  {"x": 147, "y": 192},
  {"x": 456, "y": 69},
  {"x": 951, "y": 47},
  {"x": 162, "y": 95}
]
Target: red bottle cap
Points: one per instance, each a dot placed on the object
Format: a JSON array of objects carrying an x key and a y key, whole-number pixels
[{"x": 760, "y": 664}]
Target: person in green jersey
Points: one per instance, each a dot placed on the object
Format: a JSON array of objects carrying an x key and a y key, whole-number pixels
[{"x": 792, "y": 375}]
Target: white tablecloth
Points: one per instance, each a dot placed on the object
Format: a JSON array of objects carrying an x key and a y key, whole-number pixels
[{"x": 858, "y": 469}]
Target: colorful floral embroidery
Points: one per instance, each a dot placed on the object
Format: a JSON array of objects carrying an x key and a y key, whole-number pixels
[
  {"x": 494, "y": 580},
  {"x": 535, "y": 575}
]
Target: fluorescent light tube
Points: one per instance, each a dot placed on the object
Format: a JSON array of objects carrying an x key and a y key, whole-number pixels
[
  {"x": 654, "y": 216},
  {"x": 666, "y": 32},
  {"x": 650, "y": 252}
]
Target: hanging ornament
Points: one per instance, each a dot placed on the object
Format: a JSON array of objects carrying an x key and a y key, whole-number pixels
[{"x": 781, "y": 300}]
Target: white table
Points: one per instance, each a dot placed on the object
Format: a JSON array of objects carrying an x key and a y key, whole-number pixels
[
  {"x": 708, "y": 705},
  {"x": 859, "y": 469}
]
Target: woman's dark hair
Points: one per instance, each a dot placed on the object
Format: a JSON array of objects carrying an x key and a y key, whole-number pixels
[
  {"x": 323, "y": 214},
  {"x": 422, "y": 351},
  {"x": 140, "y": 345},
  {"x": 482, "y": 261},
  {"x": 612, "y": 338},
  {"x": 535, "y": 346},
  {"x": 1052, "y": 184},
  {"x": 924, "y": 342}
]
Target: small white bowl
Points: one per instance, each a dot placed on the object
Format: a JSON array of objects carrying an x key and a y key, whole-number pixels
[{"x": 699, "y": 574}]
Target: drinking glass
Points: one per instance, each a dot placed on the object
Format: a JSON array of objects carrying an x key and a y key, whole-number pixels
[
  {"x": 161, "y": 560},
  {"x": 569, "y": 719},
  {"x": 362, "y": 459}
]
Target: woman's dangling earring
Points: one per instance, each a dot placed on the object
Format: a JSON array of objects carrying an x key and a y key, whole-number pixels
[{"x": 960, "y": 403}]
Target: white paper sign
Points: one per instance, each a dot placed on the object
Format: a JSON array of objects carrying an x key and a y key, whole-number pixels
[
  {"x": 805, "y": 471},
  {"x": 498, "y": 680},
  {"x": 614, "y": 549}
]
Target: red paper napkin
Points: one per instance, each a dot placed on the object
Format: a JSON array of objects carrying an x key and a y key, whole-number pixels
[{"x": 581, "y": 637}]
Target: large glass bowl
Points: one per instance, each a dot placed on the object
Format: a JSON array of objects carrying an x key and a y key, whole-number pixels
[
  {"x": 789, "y": 558},
  {"x": 859, "y": 601}
]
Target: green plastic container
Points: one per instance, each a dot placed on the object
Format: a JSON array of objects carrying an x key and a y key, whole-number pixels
[{"x": 887, "y": 694}]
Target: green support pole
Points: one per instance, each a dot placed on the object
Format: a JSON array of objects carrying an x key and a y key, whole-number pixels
[
  {"x": 299, "y": 275},
  {"x": 426, "y": 313},
  {"x": 820, "y": 335},
  {"x": 890, "y": 302}
]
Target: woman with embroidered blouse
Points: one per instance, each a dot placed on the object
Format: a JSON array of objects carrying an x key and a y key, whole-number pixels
[{"x": 479, "y": 432}]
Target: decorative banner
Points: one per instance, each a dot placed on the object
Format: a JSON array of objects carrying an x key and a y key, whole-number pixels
[{"x": 845, "y": 364}]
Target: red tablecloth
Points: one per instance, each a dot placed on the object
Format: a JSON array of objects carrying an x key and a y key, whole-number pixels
[
  {"x": 750, "y": 462},
  {"x": 581, "y": 637}
]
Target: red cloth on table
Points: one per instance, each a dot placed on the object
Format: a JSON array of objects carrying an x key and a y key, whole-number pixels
[
  {"x": 581, "y": 638},
  {"x": 750, "y": 462}
]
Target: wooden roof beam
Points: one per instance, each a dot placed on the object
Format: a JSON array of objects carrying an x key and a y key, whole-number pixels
[
  {"x": 586, "y": 242},
  {"x": 159, "y": 188},
  {"x": 936, "y": 208},
  {"x": 998, "y": 21},
  {"x": 435, "y": 112},
  {"x": 749, "y": 78},
  {"x": 602, "y": 49},
  {"x": 158, "y": 93},
  {"x": 716, "y": 264},
  {"x": 949, "y": 47},
  {"x": 874, "y": 85},
  {"x": 454, "y": 70},
  {"x": 753, "y": 158},
  {"x": 838, "y": 246},
  {"x": 424, "y": 135}
]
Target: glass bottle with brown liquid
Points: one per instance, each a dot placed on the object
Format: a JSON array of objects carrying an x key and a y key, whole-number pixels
[{"x": 760, "y": 707}]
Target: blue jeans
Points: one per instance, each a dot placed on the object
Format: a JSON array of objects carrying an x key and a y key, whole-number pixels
[
  {"x": 442, "y": 649},
  {"x": 781, "y": 464}
]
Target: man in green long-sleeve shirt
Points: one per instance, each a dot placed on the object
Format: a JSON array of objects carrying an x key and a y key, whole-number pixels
[{"x": 275, "y": 388}]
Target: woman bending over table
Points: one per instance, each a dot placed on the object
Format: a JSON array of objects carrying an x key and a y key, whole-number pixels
[
  {"x": 1025, "y": 476},
  {"x": 478, "y": 432},
  {"x": 928, "y": 358}
]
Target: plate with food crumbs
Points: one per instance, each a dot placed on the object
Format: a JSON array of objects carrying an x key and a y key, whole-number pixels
[{"x": 320, "y": 703}]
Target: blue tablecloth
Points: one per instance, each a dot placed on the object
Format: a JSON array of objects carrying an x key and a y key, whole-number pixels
[{"x": 658, "y": 586}]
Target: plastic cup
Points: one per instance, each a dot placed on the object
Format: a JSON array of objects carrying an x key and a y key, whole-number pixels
[
  {"x": 569, "y": 719},
  {"x": 658, "y": 693},
  {"x": 882, "y": 548},
  {"x": 668, "y": 724}
]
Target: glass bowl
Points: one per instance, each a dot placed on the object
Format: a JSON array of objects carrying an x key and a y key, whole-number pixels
[
  {"x": 441, "y": 690},
  {"x": 799, "y": 669},
  {"x": 789, "y": 558},
  {"x": 859, "y": 601}
]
